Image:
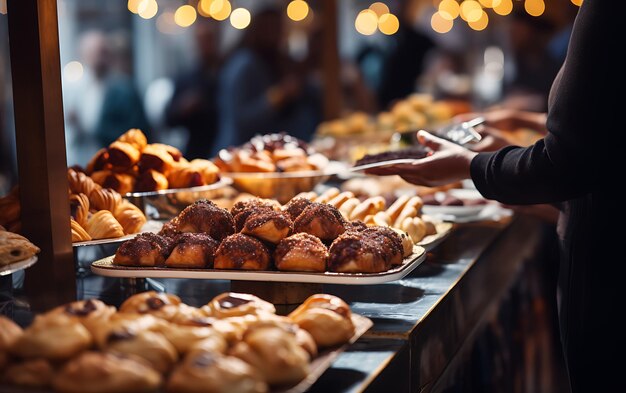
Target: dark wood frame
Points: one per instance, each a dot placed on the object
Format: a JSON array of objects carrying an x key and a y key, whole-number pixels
[{"x": 40, "y": 143}]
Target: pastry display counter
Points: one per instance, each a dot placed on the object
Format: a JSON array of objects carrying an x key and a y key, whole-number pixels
[{"x": 422, "y": 322}]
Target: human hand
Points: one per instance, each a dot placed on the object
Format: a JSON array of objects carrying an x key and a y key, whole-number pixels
[
  {"x": 448, "y": 163},
  {"x": 285, "y": 91}
]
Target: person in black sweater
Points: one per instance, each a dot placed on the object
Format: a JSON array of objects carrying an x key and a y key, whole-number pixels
[
  {"x": 565, "y": 168},
  {"x": 194, "y": 102}
]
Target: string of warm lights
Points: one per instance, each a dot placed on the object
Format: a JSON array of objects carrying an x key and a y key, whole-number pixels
[
  {"x": 220, "y": 10},
  {"x": 376, "y": 18},
  {"x": 474, "y": 12}
]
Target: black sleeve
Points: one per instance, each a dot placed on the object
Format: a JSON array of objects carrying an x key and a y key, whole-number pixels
[{"x": 564, "y": 164}]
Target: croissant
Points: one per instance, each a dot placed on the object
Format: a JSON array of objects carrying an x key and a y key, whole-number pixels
[
  {"x": 135, "y": 137},
  {"x": 122, "y": 155},
  {"x": 103, "y": 225},
  {"x": 79, "y": 204},
  {"x": 80, "y": 183},
  {"x": 171, "y": 150},
  {"x": 184, "y": 176},
  {"x": 130, "y": 217},
  {"x": 99, "y": 161},
  {"x": 151, "y": 180},
  {"x": 156, "y": 157},
  {"x": 120, "y": 182},
  {"x": 105, "y": 199},
  {"x": 78, "y": 233}
]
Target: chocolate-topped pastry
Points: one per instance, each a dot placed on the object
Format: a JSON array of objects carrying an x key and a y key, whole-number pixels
[
  {"x": 354, "y": 253},
  {"x": 148, "y": 345},
  {"x": 327, "y": 318},
  {"x": 205, "y": 216},
  {"x": 268, "y": 225},
  {"x": 231, "y": 304},
  {"x": 242, "y": 252},
  {"x": 389, "y": 240},
  {"x": 296, "y": 206},
  {"x": 275, "y": 352},
  {"x": 243, "y": 209},
  {"x": 100, "y": 372},
  {"x": 213, "y": 372},
  {"x": 356, "y": 226},
  {"x": 301, "y": 252},
  {"x": 415, "y": 152},
  {"x": 91, "y": 312},
  {"x": 254, "y": 203},
  {"x": 161, "y": 305},
  {"x": 321, "y": 220},
  {"x": 194, "y": 250},
  {"x": 146, "y": 249}
]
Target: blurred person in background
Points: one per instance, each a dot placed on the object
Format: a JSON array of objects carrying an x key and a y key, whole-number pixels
[
  {"x": 355, "y": 93},
  {"x": 260, "y": 88},
  {"x": 405, "y": 61},
  {"x": 104, "y": 102},
  {"x": 535, "y": 68},
  {"x": 194, "y": 102}
]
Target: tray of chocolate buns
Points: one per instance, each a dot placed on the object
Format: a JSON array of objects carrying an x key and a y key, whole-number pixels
[
  {"x": 261, "y": 240},
  {"x": 156, "y": 343}
]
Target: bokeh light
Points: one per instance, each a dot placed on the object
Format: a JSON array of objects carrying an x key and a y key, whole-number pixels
[
  {"x": 147, "y": 9},
  {"x": 388, "y": 24},
  {"x": 297, "y": 10},
  {"x": 534, "y": 7},
  {"x": 577, "y": 2},
  {"x": 440, "y": 24},
  {"x": 481, "y": 23},
  {"x": 504, "y": 8},
  {"x": 220, "y": 9},
  {"x": 73, "y": 71},
  {"x": 204, "y": 8},
  {"x": 379, "y": 8},
  {"x": 449, "y": 9},
  {"x": 240, "y": 18},
  {"x": 470, "y": 10},
  {"x": 366, "y": 22},
  {"x": 133, "y": 5},
  {"x": 185, "y": 15}
]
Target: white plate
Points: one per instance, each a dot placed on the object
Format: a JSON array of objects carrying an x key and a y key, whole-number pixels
[
  {"x": 149, "y": 226},
  {"x": 17, "y": 266},
  {"x": 105, "y": 267}
]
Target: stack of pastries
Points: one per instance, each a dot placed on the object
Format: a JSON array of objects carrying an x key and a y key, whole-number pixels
[
  {"x": 100, "y": 213},
  {"x": 260, "y": 234},
  {"x": 270, "y": 153},
  {"x": 130, "y": 164},
  {"x": 154, "y": 342},
  {"x": 404, "y": 214},
  {"x": 96, "y": 212}
]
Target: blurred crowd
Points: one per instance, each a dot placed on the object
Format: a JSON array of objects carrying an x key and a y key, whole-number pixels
[{"x": 224, "y": 97}]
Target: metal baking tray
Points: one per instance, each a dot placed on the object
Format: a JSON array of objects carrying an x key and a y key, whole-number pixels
[
  {"x": 17, "y": 266},
  {"x": 166, "y": 204},
  {"x": 105, "y": 267}
]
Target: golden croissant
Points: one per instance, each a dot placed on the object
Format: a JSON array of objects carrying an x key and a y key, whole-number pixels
[
  {"x": 80, "y": 183},
  {"x": 78, "y": 233},
  {"x": 105, "y": 199},
  {"x": 80, "y": 208},
  {"x": 130, "y": 217},
  {"x": 102, "y": 225},
  {"x": 135, "y": 137}
]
